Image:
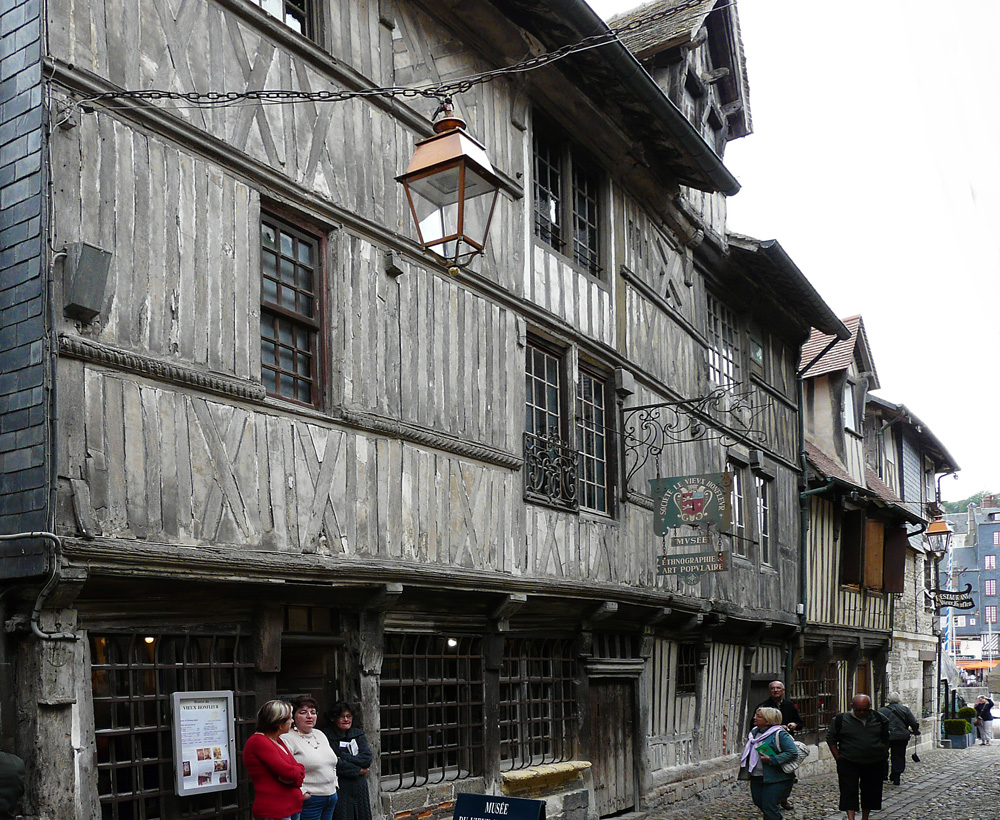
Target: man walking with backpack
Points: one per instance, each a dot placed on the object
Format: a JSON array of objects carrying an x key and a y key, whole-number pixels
[
  {"x": 859, "y": 741},
  {"x": 901, "y": 723}
]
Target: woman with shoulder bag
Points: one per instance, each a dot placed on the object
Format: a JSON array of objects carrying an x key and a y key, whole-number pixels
[
  {"x": 768, "y": 747},
  {"x": 984, "y": 716}
]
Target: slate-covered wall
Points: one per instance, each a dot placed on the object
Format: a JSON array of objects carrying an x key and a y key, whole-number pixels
[{"x": 23, "y": 469}]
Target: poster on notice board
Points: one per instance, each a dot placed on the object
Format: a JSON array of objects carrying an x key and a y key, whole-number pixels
[{"x": 204, "y": 742}]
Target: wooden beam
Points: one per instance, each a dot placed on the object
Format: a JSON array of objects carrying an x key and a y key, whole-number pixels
[{"x": 384, "y": 598}]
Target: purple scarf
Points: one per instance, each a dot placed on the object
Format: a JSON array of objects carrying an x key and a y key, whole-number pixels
[{"x": 753, "y": 741}]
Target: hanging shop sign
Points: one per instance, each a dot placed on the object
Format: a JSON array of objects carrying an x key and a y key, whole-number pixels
[
  {"x": 957, "y": 598},
  {"x": 690, "y": 566},
  {"x": 204, "y": 742},
  {"x": 692, "y": 500}
]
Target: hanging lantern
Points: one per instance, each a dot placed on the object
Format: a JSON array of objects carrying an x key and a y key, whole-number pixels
[{"x": 452, "y": 190}]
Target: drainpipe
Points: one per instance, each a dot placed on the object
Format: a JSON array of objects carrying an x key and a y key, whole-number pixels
[{"x": 50, "y": 585}]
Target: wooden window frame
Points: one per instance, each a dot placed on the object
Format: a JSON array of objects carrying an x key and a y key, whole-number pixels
[
  {"x": 765, "y": 518},
  {"x": 276, "y": 313},
  {"x": 302, "y": 13},
  {"x": 996, "y": 538},
  {"x": 592, "y": 444},
  {"x": 568, "y": 198},
  {"x": 852, "y": 547},
  {"x": 688, "y": 661},
  {"x": 739, "y": 529},
  {"x": 724, "y": 344},
  {"x": 990, "y": 587}
]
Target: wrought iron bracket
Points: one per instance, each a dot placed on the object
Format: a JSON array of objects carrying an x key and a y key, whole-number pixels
[{"x": 722, "y": 415}]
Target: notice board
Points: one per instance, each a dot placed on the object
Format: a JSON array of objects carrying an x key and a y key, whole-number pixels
[{"x": 204, "y": 731}]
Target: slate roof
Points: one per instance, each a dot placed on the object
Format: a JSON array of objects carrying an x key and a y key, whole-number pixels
[
  {"x": 680, "y": 27},
  {"x": 671, "y": 30},
  {"x": 839, "y": 357},
  {"x": 826, "y": 467}
]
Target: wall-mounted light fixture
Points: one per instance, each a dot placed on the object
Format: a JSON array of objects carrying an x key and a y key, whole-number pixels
[
  {"x": 452, "y": 190},
  {"x": 939, "y": 533}
]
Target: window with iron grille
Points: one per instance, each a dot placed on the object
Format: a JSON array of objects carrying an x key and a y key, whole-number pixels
[
  {"x": 567, "y": 199},
  {"x": 555, "y": 471},
  {"x": 591, "y": 429},
  {"x": 431, "y": 698},
  {"x": 289, "y": 312},
  {"x": 296, "y": 14},
  {"x": 763, "y": 488},
  {"x": 815, "y": 694},
  {"x": 687, "y": 668},
  {"x": 537, "y": 702},
  {"x": 723, "y": 345},
  {"x": 133, "y": 676}
]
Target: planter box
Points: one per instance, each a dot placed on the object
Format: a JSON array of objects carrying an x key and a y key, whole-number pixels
[{"x": 960, "y": 741}]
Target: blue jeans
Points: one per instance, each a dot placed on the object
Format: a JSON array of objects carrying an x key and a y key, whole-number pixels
[
  {"x": 318, "y": 807},
  {"x": 768, "y": 797}
]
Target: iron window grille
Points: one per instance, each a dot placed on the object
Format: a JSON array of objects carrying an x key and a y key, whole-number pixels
[
  {"x": 762, "y": 487},
  {"x": 133, "y": 676},
  {"x": 687, "y": 668},
  {"x": 814, "y": 692},
  {"x": 537, "y": 702},
  {"x": 289, "y": 312},
  {"x": 296, "y": 14},
  {"x": 567, "y": 193},
  {"x": 723, "y": 345},
  {"x": 550, "y": 463},
  {"x": 431, "y": 699}
]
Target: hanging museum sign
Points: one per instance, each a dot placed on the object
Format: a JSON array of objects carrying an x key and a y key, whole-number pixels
[
  {"x": 691, "y": 499},
  {"x": 957, "y": 598},
  {"x": 690, "y": 566}
]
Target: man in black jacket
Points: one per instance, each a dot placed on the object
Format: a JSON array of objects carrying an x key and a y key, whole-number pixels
[{"x": 790, "y": 717}]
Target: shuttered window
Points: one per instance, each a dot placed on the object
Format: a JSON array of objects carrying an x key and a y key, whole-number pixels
[{"x": 852, "y": 541}]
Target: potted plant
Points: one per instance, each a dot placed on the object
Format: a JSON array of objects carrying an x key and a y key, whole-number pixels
[
  {"x": 957, "y": 730},
  {"x": 969, "y": 714}
]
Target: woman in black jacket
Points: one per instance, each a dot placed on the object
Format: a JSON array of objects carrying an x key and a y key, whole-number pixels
[{"x": 354, "y": 758}]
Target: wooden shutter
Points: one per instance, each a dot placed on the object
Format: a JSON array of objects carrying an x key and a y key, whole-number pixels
[
  {"x": 895, "y": 559},
  {"x": 874, "y": 552},
  {"x": 852, "y": 530}
]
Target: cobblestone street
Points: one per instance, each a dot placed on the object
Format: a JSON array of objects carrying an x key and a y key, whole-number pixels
[{"x": 947, "y": 784}]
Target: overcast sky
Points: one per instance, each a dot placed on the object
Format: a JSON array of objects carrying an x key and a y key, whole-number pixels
[{"x": 875, "y": 162}]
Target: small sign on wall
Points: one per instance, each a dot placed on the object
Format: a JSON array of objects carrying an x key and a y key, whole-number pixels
[
  {"x": 204, "y": 733},
  {"x": 488, "y": 807}
]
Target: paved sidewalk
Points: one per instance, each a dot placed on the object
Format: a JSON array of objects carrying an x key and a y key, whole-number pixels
[{"x": 947, "y": 784}]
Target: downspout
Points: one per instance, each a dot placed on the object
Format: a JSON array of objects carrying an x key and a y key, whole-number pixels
[{"x": 50, "y": 585}]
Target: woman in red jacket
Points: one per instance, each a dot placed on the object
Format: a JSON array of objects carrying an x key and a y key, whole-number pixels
[{"x": 275, "y": 773}]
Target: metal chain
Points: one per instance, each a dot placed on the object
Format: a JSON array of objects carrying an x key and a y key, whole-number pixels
[{"x": 210, "y": 99}]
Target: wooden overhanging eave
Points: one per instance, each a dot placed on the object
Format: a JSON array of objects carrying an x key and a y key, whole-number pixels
[
  {"x": 620, "y": 87},
  {"x": 838, "y": 488}
]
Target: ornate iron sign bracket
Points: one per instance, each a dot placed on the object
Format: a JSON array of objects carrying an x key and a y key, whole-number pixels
[{"x": 722, "y": 415}]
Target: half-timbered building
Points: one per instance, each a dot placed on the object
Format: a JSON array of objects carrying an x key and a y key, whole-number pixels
[
  {"x": 907, "y": 456},
  {"x": 858, "y": 533},
  {"x": 257, "y": 440}
]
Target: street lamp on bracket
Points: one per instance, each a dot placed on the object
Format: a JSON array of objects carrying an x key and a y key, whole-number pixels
[
  {"x": 452, "y": 190},
  {"x": 939, "y": 534}
]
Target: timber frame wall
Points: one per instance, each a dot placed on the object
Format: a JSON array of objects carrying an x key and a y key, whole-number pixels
[{"x": 202, "y": 513}]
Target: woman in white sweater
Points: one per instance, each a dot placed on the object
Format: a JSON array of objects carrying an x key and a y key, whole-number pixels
[{"x": 312, "y": 750}]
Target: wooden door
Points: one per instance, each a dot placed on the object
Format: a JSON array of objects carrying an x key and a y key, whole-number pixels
[{"x": 611, "y": 721}]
